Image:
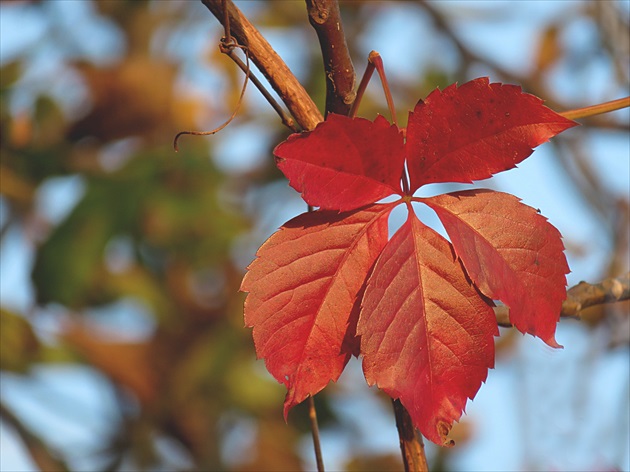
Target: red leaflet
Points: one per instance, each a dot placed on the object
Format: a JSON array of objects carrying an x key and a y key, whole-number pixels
[
  {"x": 344, "y": 163},
  {"x": 511, "y": 253},
  {"x": 425, "y": 331},
  {"x": 470, "y": 132},
  {"x": 426, "y": 335},
  {"x": 303, "y": 287}
]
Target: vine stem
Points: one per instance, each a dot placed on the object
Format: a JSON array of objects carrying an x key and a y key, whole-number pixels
[
  {"x": 597, "y": 109},
  {"x": 411, "y": 444},
  {"x": 325, "y": 18},
  {"x": 312, "y": 415}
]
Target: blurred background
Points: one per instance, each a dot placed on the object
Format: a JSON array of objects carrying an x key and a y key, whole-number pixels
[{"x": 122, "y": 340}]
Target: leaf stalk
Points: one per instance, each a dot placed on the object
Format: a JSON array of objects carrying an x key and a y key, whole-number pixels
[
  {"x": 597, "y": 109},
  {"x": 312, "y": 415},
  {"x": 376, "y": 59},
  {"x": 365, "y": 80}
]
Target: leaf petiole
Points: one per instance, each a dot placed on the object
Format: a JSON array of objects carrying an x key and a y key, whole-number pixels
[
  {"x": 375, "y": 58},
  {"x": 365, "y": 80},
  {"x": 374, "y": 62},
  {"x": 597, "y": 109}
]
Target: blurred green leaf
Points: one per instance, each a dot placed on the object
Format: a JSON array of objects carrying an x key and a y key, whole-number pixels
[
  {"x": 68, "y": 265},
  {"x": 164, "y": 202},
  {"x": 10, "y": 73},
  {"x": 19, "y": 347}
]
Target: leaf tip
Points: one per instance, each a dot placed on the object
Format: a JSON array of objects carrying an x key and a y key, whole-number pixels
[
  {"x": 551, "y": 342},
  {"x": 443, "y": 428}
]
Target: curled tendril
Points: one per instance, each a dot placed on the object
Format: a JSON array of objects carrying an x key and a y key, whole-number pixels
[{"x": 227, "y": 46}]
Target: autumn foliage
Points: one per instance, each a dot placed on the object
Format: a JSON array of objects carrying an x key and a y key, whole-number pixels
[{"x": 417, "y": 308}]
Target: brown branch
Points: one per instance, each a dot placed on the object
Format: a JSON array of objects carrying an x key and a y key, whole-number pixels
[
  {"x": 325, "y": 18},
  {"x": 38, "y": 451},
  {"x": 411, "y": 444},
  {"x": 581, "y": 296},
  {"x": 269, "y": 63}
]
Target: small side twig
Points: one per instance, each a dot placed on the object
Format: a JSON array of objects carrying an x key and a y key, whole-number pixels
[
  {"x": 325, "y": 17},
  {"x": 281, "y": 79},
  {"x": 227, "y": 46},
  {"x": 581, "y": 296},
  {"x": 229, "y": 51}
]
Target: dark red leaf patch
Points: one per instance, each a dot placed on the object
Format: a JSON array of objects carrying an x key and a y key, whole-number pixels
[
  {"x": 473, "y": 131},
  {"x": 364, "y": 165}
]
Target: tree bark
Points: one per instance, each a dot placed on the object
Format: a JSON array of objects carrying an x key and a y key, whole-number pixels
[
  {"x": 411, "y": 444},
  {"x": 325, "y": 17}
]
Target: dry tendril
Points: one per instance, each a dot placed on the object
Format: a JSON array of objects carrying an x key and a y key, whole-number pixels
[{"x": 227, "y": 46}]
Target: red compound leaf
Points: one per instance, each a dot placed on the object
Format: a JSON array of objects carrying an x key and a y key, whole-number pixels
[{"x": 426, "y": 325}]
